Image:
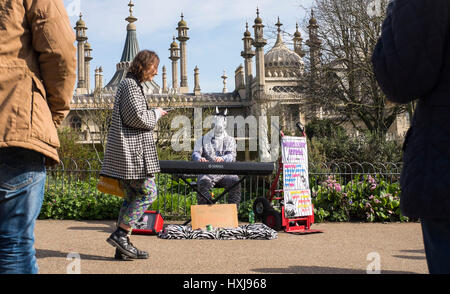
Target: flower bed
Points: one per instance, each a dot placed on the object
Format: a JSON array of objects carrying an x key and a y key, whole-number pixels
[{"x": 364, "y": 198}]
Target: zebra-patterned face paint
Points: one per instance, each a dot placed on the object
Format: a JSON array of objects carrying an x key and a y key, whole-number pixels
[{"x": 220, "y": 123}]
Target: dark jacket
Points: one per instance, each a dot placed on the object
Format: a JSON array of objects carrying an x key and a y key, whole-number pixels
[
  {"x": 130, "y": 149},
  {"x": 412, "y": 61}
]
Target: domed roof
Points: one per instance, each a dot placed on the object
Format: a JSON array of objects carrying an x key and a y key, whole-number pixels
[
  {"x": 174, "y": 44},
  {"x": 258, "y": 20},
  {"x": 80, "y": 23},
  {"x": 282, "y": 58},
  {"x": 297, "y": 33},
  {"x": 247, "y": 32},
  {"x": 312, "y": 20},
  {"x": 182, "y": 22}
]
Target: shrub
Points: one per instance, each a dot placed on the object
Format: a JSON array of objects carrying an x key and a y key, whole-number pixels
[
  {"x": 328, "y": 142},
  {"x": 78, "y": 200},
  {"x": 363, "y": 199}
]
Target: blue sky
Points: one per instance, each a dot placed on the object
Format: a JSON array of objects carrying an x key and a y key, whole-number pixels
[{"x": 216, "y": 29}]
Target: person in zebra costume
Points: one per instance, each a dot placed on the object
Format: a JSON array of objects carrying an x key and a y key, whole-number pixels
[{"x": 217, "y": 146}]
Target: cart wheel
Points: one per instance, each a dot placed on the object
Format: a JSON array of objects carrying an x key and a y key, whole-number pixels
[
  {"x": 260, "y": 206},
  {"x": 272, "y": 219}
]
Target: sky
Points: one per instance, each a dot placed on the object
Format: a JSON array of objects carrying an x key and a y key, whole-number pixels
[{"x": 216, "y": 30}]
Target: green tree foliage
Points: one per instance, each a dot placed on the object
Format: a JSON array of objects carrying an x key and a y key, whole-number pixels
[{"x": 329, "y": 142}]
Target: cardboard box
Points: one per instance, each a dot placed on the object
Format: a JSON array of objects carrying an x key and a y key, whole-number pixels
[{"x": 217, "y": 215}]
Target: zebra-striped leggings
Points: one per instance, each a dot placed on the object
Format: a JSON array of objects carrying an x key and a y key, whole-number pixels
[{"x": 139, "y": 195}]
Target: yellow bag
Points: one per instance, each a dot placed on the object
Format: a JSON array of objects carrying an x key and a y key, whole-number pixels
[{"x": 110, "y": 186}]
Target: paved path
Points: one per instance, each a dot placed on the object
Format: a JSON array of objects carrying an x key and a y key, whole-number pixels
[{"x": 343, "y": 248}]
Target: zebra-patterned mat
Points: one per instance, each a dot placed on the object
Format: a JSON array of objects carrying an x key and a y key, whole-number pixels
[{"x": 252, "y": 231}]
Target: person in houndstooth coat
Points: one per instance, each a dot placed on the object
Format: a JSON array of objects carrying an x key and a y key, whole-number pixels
[{"x": 130, "y": 154}]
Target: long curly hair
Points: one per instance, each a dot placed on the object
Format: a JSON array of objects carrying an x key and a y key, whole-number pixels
[{"x": 142, "y": 62}]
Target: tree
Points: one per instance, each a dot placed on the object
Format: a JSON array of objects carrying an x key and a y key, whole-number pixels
[
  {"x": 96, "y": 117},
  {"x": 345, "y": 87}
]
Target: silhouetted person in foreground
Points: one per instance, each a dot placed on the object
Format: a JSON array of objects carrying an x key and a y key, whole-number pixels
[{"x": 412, "y": 61}]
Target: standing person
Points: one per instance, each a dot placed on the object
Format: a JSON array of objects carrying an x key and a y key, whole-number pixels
[
  {"x": 130, "y": 154},
  {"x": 412, "y": 61},
  {"x": 217, "y": 146},
  {"x": 37, "y": 79}
]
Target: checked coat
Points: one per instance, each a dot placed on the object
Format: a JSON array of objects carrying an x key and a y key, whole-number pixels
[{"x": 130, "y": 148}]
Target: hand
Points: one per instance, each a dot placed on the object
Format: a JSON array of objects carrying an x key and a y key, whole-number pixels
[
  {"x": 203, "y": 159},
  {"x": 219, "y": 159},
  {"x": 162, "y": 111}
]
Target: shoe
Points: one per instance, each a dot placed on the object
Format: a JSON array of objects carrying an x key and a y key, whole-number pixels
[
  {"x": 140, "y": 254},
  {"x": 119, "y": 256},
  {"x": 120, "y": 240}
]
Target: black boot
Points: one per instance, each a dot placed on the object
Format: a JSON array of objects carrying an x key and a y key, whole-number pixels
[
  {"x": 119, "y": 239},
  {"x": 140, "y": 254}
]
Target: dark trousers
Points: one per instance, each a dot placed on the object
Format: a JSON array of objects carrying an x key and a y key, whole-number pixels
[
  {"x": 436, "y": 238},
  {"x": 206, "y": 183}
]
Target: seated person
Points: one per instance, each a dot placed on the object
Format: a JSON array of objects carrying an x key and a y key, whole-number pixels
[{"x": 217, "y": 146}]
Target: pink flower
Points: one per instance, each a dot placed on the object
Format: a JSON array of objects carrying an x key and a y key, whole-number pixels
[
  {"x": 337, "y": 187},
  {"x": 371, "y": 197}
]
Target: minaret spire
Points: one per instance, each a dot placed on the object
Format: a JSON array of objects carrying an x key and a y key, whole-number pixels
[
  {"x": 174, "y": 56},
  {"x": 81, "y": 38},
  {"x": 298, "y": 42},
  {"x": 196, "y": 82},
  {"x": 131, "y": 19},
  {"x": 314, "y": 44},
  {"x": 248, "y": 54},
  {"x": 259, "y": 42},
  {"x": 279, "y": 24},
  {"x": 224, "y": 77},
  {"x": 164, "y": 80},
  {"x": 279, "y": 37},
  {"x": 183, "y": 37}
]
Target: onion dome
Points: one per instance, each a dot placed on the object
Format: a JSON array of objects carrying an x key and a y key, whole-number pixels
[
  {"x": 247, "y": 32},
  {"x": 297, "y": 33},
  {"x": 80, "y": 23},
  {"x": 182, "y": 22},
  {"x": 280, "y": 61},
  {"x": 312, "y": 20},
  {"x": 174, "y": 44},
  {"x": 258, "y": 20}
]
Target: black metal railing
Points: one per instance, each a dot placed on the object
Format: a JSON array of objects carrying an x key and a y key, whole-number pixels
[{"x": 175, "y": 197}]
